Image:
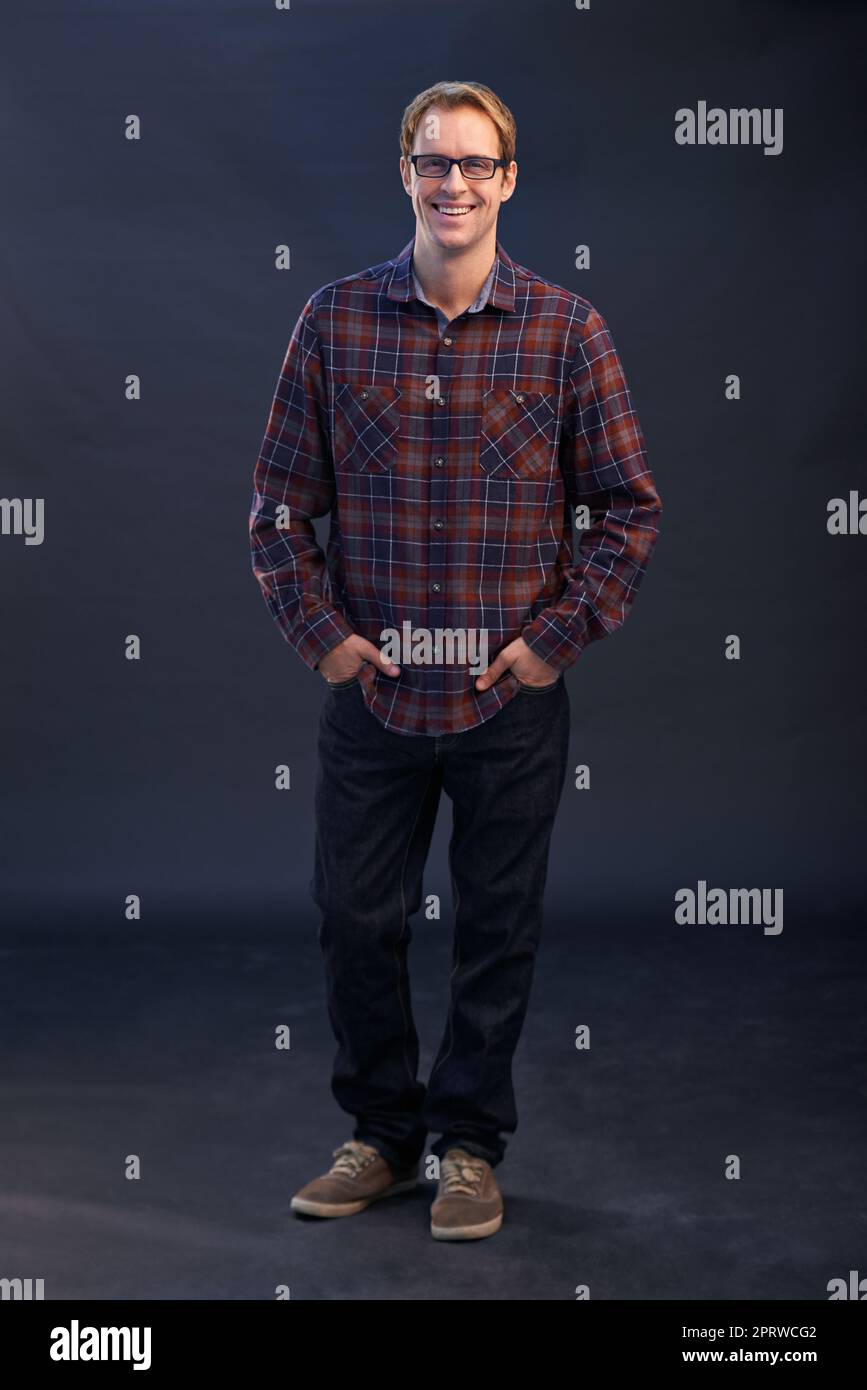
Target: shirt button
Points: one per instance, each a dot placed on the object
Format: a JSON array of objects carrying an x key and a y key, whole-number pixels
[
  {"x": 437, "y": 588},
  {"x": 441, "y": 400},
  {"x": 439, "y": 463},
  {"x": 520, "y": 400},
  {"x": 438, "y": 525},
  {"x": 364, "y": 395},
  {"x": 447, "y": 341}
]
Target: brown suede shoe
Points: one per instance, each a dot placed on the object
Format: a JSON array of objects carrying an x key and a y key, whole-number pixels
[
  {"x": 359, "y": 1176},
  {"x": 468, "y": 1203}
]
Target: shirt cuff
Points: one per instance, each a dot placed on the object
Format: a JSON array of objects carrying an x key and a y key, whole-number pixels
[
  {"x": 553, "y": 640},
  {"x": 323, "y": 630}
]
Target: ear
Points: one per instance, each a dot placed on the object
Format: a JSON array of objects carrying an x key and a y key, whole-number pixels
[
  {"x": 510, "y": 176},
  {"x": 406, "y": 175}
]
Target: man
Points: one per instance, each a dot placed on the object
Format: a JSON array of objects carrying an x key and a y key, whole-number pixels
[{"x": 455, "y": 414}]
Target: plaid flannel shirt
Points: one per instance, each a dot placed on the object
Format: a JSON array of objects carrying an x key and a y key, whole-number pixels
[{"x": 451, "y": 458}]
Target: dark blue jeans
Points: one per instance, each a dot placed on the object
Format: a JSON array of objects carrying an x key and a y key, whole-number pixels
[{"x": 376, "y": 801}]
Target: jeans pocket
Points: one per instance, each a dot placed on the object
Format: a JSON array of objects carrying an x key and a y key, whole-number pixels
[
  {"x": 342, "y": 685},
  {"x": 538, "y": 689},
  {"x": 366, "y": 427},
  {"x": 518, "y": 433}
]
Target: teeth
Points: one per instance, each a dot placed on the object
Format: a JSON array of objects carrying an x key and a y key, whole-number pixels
[{"x": 453, "y": 212}]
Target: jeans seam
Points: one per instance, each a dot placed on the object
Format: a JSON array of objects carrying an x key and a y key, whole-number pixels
[
  {"x": 455, "y": 968},
  {"x": 403, "y": 923}
]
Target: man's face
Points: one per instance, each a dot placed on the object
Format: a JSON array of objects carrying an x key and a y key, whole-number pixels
[{"x": 463, "y": 131}]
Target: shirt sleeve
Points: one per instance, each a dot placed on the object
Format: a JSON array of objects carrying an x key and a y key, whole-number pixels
[
  {"x": 603, "y": 461},
  {"x": 293, "y": 483}
]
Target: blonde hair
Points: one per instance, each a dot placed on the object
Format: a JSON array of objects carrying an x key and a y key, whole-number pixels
[{"x": 452, "y": 94}]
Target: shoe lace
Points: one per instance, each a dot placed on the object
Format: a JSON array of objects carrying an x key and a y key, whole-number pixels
[
  {"x": 461, "y": 1172},
  {"x": 351, "y": 1157}
]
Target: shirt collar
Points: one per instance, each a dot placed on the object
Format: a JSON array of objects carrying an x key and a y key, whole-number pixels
[
  {"x": 401, "y": 284},
  {"x": 478, "y": 303}
]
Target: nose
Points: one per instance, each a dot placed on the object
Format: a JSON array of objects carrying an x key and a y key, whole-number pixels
[{"x": 455, "y": 183}]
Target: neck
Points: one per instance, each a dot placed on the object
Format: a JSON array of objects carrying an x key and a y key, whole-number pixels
[{"x": 453, "y": 281}]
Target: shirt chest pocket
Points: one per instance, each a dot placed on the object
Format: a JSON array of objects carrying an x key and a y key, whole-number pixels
[
  {"x": 518, "y": 433},
  {"x": 366, "y": 427}
]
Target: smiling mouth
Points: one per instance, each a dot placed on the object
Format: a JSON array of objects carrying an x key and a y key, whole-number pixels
[{"x": 454, "y": 210}]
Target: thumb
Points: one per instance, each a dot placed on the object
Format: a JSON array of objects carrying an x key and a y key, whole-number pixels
[
  {"x": 371, "y": 653},
  {"x": 493, "y": 673}
]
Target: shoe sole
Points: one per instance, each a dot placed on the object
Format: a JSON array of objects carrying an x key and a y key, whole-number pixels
[
  {"x": 485, "y": 1228},
  {"x": 308, "y": 1207}
]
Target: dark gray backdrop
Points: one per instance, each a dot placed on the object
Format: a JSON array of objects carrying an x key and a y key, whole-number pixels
[{"x": 156, "y": 257}]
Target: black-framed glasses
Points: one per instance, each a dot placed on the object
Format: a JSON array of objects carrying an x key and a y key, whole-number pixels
[{"x": 472, "y": 166}]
